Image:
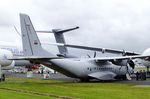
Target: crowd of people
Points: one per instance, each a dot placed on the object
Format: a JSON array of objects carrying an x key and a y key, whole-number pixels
[{"x": 141, "y": 75}]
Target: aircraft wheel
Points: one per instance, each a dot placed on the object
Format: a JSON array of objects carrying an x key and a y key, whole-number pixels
[
  {"x": 84, "y": 80},
  {"x": 124, "y": 77}
]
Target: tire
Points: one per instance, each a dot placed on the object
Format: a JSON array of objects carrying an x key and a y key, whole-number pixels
[{"x": 84, "y": 80}]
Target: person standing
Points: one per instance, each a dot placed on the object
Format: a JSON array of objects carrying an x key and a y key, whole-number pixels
[
  {"x": 144, "y": 75},
  {"x": 137, "y": 75},
  {"x": 140, "y": 75}
]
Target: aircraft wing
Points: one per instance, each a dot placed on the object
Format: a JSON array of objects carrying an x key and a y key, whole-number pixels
[
  {"x": 121, "y": 58},
  {"x": 103, "y": 50},
  {"x": 96, "y": 59},
  {"x": 107, "y": 75}
]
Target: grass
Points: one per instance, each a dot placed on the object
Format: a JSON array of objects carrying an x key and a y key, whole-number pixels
[
  {"x": 4, "y": 94},
  {"x": 71, "y": 89}
]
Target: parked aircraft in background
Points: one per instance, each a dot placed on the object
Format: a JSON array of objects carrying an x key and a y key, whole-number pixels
[
  {"x": 13, "y": 47},
  {"x": 4, "y": 62},
  {"x": 9, "y": 50},
  {"x": 16, "y": 50},
  {"x": 102, "y": 68}
]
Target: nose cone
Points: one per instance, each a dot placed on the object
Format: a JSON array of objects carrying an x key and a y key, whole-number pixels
[{"x": 146, "y": 52}]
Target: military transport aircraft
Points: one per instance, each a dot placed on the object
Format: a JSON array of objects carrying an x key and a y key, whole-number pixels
[
  {"x": 63, "y": 51},
  {"x": 101, "y": 68},
  {"x": 144, "y": 61}
]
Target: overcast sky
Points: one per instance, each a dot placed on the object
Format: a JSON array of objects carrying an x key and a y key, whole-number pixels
[{"x": 117, "y": 24}]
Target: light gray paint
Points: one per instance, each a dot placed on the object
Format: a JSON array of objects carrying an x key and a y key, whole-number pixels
[
  {"x": 82, "y": 68},
  {"x": 32, "y": 46}
]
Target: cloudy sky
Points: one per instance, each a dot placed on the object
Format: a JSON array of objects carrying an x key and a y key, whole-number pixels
[{"x": 117, "y": 24}]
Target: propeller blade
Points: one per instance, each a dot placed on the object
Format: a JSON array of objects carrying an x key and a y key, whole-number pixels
[
  {"x": 128, "y": 76},
  {"x": 88, "y": 55},
  {"x": 124, "y": 53},
  {"x": 120, "y": 68},
  {"x": 94, "y": 54},
  {"x": 127, "y": 68}
]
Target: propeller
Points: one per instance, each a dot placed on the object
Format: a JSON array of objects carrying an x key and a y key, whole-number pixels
[
  {"x": 128, "y": 64},
  {"x": 88, "y": 56},
  {"x": 103, "y": 50},
  {"x": 94, "y": 54},
  {"x": 131, "y": 64},
  {"x": 120, "y": 68},
  {"x": 127, "y": 72},
  {"x": 124, "y": 53}
]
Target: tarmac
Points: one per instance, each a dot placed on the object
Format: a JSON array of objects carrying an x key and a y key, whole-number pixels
[{"x": 62, "y": 77}]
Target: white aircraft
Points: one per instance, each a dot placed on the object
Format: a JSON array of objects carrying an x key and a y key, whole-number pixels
[
  {"x": 9, "y": 50},
  {"x": 16, "y": 50},
  {"x": 13, "y": 47},
  {"x": 4, "y": 62},
  {"x": 101, "y": 68}
]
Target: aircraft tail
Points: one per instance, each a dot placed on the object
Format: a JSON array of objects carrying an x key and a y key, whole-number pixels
[
  {"x": 30, "y": 40},
  {"x": 60, "y": 38}
]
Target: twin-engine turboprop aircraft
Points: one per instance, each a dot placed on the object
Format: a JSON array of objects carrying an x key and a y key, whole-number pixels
[
  {"x": 101, "y": 68},
  {"x": 63, "y": 51},
  {"x": 141, "y": 61}
]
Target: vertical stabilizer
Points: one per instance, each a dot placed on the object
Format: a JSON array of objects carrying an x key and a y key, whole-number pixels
[
  {"x": 60, "y": 39},
  {"x": 30, "y": 40}
]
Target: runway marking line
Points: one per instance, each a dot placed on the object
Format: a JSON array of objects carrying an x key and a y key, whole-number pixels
[{"x": 37, "y": 93}]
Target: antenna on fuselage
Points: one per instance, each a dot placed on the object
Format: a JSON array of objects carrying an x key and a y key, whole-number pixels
[{"x": 17, "y": 31}]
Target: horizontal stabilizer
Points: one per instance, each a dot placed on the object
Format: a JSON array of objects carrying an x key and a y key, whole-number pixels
[
  {"x": 34, "y": 58},
  {"x": 58, "y": 30}
]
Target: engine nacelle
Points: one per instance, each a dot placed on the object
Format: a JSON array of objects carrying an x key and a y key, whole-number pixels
[
  {"x": 124, "y": 63},
  {"x": 120, "y": 62},
  {"x": 11, "y": 66},
  {"x": 4, "y": 55}
]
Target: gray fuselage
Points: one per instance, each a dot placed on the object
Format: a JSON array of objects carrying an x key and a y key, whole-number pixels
[{"x": 81, "y": 68}]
